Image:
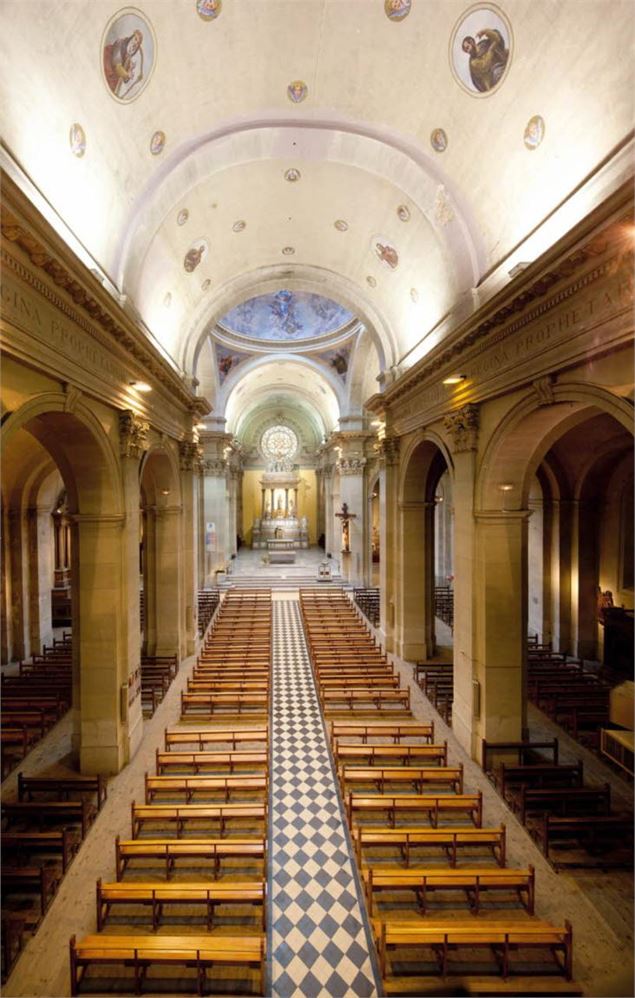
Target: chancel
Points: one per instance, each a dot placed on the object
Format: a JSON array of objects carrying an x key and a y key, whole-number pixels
[{"x": 317, "y": 578}]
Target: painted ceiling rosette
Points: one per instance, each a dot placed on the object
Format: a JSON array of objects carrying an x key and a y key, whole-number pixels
[{"x": 286, "y": 315}]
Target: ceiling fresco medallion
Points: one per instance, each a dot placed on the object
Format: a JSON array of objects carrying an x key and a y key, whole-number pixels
[
  {"x": 438, "y": 140},
  {"x": 481, "y": 49},
  {"x": 286, "y": 315},
  {"x": 297, "y": 91},
  {"x": 372, "y": 283},
  {"x": 77, "y": 140},
  {"x": 195, "y": 255},
  {"x": 209, "y": 10},
  {"x": 292, "y": 175},
  {"x": 288, "y": 250},
  {"x": 157, "y": 143},
  {"x": 341, "y": 225},
  {"x": 182, "y": 216},
  {"x": 128, "y": 54},
  {"x": 239, "y": 225},
  {"x": 385, "y": 251},
  {"x": 397, "y": 10},
  {"x": 403, "y": 213},
  {"x": 534, "y": 132}
]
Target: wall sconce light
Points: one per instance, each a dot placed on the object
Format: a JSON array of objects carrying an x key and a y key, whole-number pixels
[
  {"x": 505, "y": 487},
  {"x": 165, "y": 492},
  {"x": 140, "y": 386},
  {"x": 454, "y": 379},
  {"x": 438, "y": 498}
]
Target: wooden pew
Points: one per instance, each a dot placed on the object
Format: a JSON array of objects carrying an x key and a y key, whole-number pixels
[
  {"x": 402, "y": 805},
  {"x": 383, "y": 700},
  {"x": 210, "y": 786},
  {"x": 62, "y": 842},
  {"x": 209, "y": 704},
  {"x": 525, "y": 752},
  {"x": 565, "y": 801},
  {"x": 205, "y": 762},
  {"x": 141, "y": 952},
  {"x": 510, "y": 778},
  {"x": 502, "y": 937},
  {"x": 201, "y": 737},
  {"x": 40, "y": 880},
  {"x": 359, "y": 755},
  {"x": 470, "y": 881},
  {"x": 158, "y": 894},
  {"x": 81, "y": 813},
  {"x": 63, "y": 786},
  {"x": 416, "y": 776},
  {"x": 449, "y": 839},
  {"x": 214, "y": 815},
  {"x": 592, "y": 830},
  {"x": 396, "y": 731},
  {"x": 171, "y": 850}
]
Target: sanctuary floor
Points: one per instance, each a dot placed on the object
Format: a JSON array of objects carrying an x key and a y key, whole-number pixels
[{"x": 310, "y": 850}]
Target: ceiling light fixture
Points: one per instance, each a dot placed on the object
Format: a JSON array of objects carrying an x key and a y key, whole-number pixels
[
  {"x": 454, "y": 379},
  {"x": 140, "y": 386}
]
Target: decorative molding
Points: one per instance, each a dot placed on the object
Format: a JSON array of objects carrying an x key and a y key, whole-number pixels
[
  {"x": 73, "y": 398},
  {"x": 389, "y": 451},
  {"x": 215, "y": 467},
  {"x": 462, "y": 426},
  {"x": 543, "y": 387},
  {"x": 351, "y": 465},
  {"x": 133, "y": 435},
  {"x": 190, "y": 455}
]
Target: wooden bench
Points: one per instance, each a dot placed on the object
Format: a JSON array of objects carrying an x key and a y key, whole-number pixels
[
  {"x": 407, "y": 804},
  {"x": 158, "y": 894},
  {"x": 380, "y": 699},
  {"x": 15, "y": 743},
  {"x": 509, "y": 778},
  {"x": 525, "y": 752},
  {"x": 211, "y": 814},
  {"x": 229, "y": 703},
  {"x": 471, "y": 882},
  {"x": 170, "y": 850},
  {"x": 141, "y": 952},
  {"x": 345, "y": 680},
  {"x": 40, "y": 880},
  {"x": 565, "y": 801},
  {"x": 502, "y": 937},
  {"x": 345, "y": 729},
  {"x": 214, "y": 736},
  {"x": 210, "y": 786},
  {"x": 210, "y": 761},
  {"x": 227, "y": 685},
  {"x": 62, "y": 786},
  {"x": 449, "y": 839},
  {"x": 592, "y": 830},
  {"x": 23, "y": 844},
  {"x": 405, "y": 754},
  {"x": 416, "y": 776},
  {"x": 39, "y": 812}
]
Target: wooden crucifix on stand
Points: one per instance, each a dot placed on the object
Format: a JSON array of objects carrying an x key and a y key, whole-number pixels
[{"x": 346, "y": 518}]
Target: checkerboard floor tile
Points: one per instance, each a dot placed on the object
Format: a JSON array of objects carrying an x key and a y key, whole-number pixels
[{"x": 319, "y": 940}]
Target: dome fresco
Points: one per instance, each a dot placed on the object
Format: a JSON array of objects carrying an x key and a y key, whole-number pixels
[{"x": 286, "y": 315}]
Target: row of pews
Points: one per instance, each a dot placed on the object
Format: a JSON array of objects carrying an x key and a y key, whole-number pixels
[
  {"x": 34, "y": 700},
  {"x": 572, "y": 822},
  {"x": 424, "y": 855},
  {"x": 197, "y": 852},
  {"x": 570, "y": 695},
  {"x": 208, "y": 600},
  {"x": 436, "y": 680},
  {"x": 157, "y": 673},
  {"x": 42, "y": 830},
  {"x": 444, "y": 604},
  {"x": 368, "y": 602}
]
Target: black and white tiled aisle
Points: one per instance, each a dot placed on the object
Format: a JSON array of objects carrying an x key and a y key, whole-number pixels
[{"x": 319, "y": 940}]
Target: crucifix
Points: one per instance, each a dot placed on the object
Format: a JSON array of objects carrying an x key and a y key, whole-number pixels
[{"x": 346, "y": 518}]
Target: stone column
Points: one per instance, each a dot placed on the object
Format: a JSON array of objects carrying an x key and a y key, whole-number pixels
[
  {"x": 216, "y": 513},
  {"x": 40, "y": 566},
  {"x": 414, "y": 554},
  {"x": 101, "y": 621},
  {"x": 189, "y": 458},
  {"x": 500, "y": 605},
  {"x": 351, "y": 471},
  {"x": 329, "y": 514},
  {"x": 388, "y": 521},
  {"x": 19, "y": 572},
  {"x": 133, "y": 443},
  {"x": 169, "y": 580}
]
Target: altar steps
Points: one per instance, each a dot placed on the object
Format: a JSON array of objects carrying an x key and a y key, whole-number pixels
[{"x": 282, "y": 580}]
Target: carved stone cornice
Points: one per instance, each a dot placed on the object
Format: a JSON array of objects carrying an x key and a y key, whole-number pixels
[
  {"x": 215, "y": 468},
  {"x": 389, "y": 451},
  {"x": 351, "y": 465},
  {"x": 190, "y": 455},
  {"x": 133, "y": 434},
  {"x": 462, "y": 426},
  {"x": 82, "y": 298},
  {"x": 543, "y": 388}
]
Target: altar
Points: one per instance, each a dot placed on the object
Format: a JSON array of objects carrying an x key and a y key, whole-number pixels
[
  {"x": 279, "y": 530},
  {"x": 281, "y": 552}
]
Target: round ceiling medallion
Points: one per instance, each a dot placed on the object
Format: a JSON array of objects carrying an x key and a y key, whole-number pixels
[
  {"x": 182, "y": 216},
  {"x": 297, "y": 91},
  {"x": 288, "y": 250},
  {"x": 403, "y": 213},
  {"x": 208, "y": 10},
  {"x": 372, "y": 283},
  {"x": 128, "y": 54},
  {"x": 341, "y": 225},
  {"x": 205, "y": 286},
  {"x": 195, "y": 255},
  {"x": 77, "y": 140},
  {"x": 292, "y": 175},
  {"x": 438, "y": 140},
  {"x": 397, "y": 10},
  {"x": 534, "y": 132},
  {"x": 239, "y": 225},
  {"x": 481, "y": 49}
]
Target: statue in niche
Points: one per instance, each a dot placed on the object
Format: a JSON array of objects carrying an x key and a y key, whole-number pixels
[{"x": 291, "y": 507}]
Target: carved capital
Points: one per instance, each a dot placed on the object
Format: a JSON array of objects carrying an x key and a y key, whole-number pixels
[
  {"x": 215, "y": 467},
  {"x": 389, "y": 451},
  {"x": 133, "y": 434},
  {"x": 351, "y": 465},
  {"x": 543, "y": 388},
  {"x": 190, "y": 455},
  {"x": 462, "y": 426}
]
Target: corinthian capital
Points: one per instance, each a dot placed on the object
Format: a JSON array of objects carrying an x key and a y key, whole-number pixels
[
  {"x": 215, "y": 467},
  {"x": 462, "y": 426},
  {"x": 190, "y": 455},
  {"x": 133, "y": 434},
  {"x": 389, "y": 450},
  {"x": 351, "y": 465}
]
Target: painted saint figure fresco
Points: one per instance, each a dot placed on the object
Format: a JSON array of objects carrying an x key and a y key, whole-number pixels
[
  {"x": 128, "y": 55},
  {"x": 194, "y": 256},
  {"x": 387, "y": 253},
  {"x": 481, "y": 50},
  {"x": 488, "y": 57}
]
